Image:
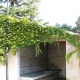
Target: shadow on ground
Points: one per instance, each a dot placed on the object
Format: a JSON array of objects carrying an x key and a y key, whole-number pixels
[{"x": 60, "y": 79}]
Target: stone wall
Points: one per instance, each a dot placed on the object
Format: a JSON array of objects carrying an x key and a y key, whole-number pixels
[
  {"x": 13, "y": 68},
  {"x": 72, "y": 68},
  {"x": 30, "y": 63},
  {"x": 56, "y": 58},
  {"x": 2, "y": 72}
]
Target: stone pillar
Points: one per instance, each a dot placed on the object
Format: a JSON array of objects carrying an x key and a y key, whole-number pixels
[
  {"x": 13, "y": 67},
  {"x": 72, "y": 68},
  {"x": 2, "y": 72}
]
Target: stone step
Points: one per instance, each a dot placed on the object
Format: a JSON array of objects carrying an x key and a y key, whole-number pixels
[
  {"x": 49, "y": 77},
  {"x": 42, "y": 75}
]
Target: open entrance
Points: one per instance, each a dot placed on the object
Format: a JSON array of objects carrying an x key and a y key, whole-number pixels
[{"x": 49, "y": 65}]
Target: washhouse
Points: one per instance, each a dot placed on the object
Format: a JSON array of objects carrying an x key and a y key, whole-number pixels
[{"x": 50, "y": 64}]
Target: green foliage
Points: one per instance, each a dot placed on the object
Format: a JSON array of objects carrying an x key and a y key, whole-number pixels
[
  {"x": 64, "y": 26},
  {"x": 22, "y": 8},
  {"x": 23, "y": 33},
  {"x": 77, "y": 27},
  {"x": 68, "y": 56}
]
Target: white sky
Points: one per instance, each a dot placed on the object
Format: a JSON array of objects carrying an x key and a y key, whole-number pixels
[{"x": 59, "y": 11}]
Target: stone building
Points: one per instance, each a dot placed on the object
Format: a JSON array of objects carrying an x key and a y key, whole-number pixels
[{"x": 49, "y": 65}]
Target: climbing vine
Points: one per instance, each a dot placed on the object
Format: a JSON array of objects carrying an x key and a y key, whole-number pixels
[{"x": 23, "y": 33}]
